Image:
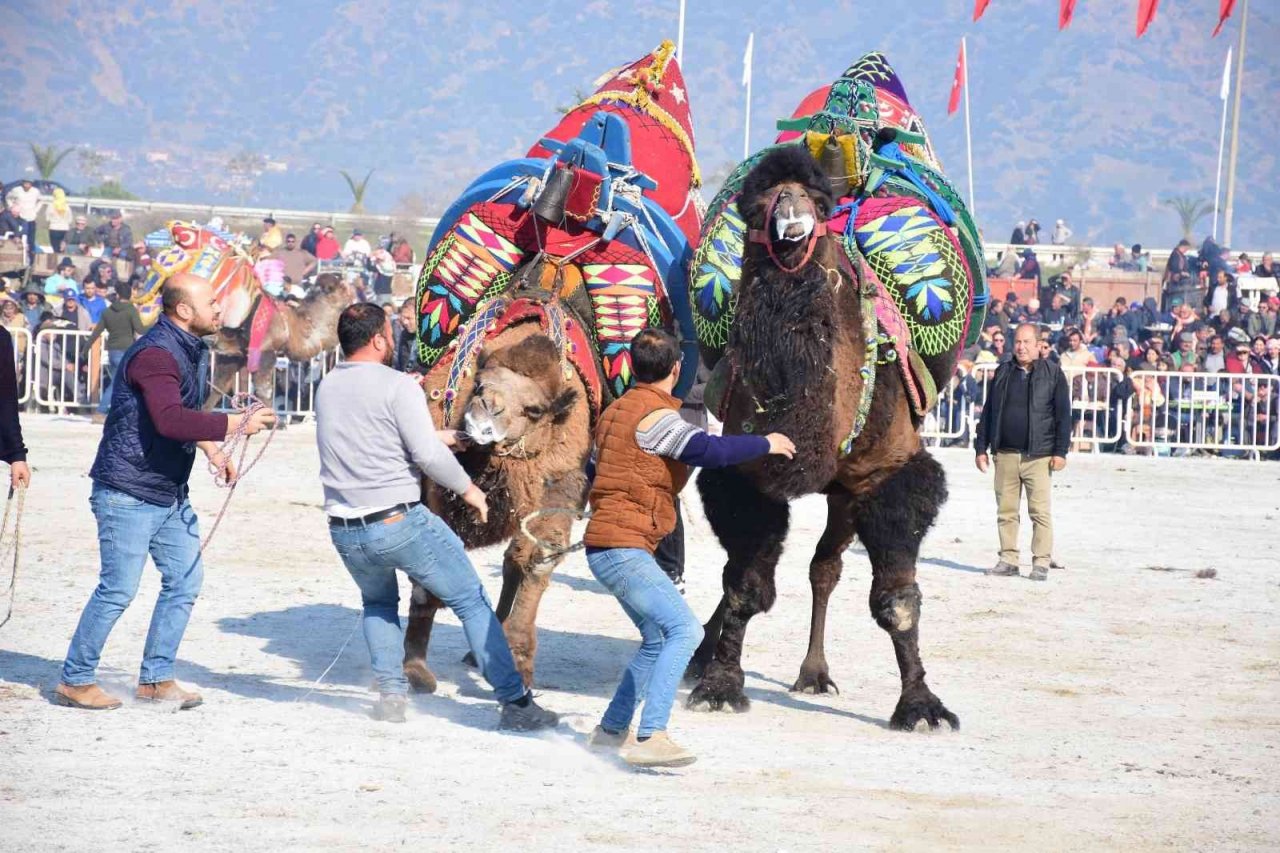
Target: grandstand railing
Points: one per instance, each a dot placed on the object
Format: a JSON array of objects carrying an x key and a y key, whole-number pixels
[{"x": 1231, "y": 412}]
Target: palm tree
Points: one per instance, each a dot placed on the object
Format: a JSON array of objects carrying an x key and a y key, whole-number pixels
[
  {"x": 578, "y": 97},
  {"x": 357, "y": 189},
  {"x": 48, "y": 158},
  {"x": 1190, "y": 211}
]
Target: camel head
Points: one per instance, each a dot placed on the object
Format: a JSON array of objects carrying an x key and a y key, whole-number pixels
[
  {"x": 786, "y": 201},
  {"x": 520, "y": 392}
]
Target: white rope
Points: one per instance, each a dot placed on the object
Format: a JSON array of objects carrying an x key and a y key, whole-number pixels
[{"x": 341, "y": 649}]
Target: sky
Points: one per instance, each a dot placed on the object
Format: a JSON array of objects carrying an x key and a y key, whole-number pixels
[{"x": 1090, "y": 125}]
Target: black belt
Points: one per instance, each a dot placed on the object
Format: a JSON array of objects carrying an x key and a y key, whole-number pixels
[{"x": 371, "y": 518}]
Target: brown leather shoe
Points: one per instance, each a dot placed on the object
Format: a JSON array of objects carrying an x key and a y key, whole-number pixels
[
  {"x": 168, "y": 691},
  {"x": 86, "y": 697}
]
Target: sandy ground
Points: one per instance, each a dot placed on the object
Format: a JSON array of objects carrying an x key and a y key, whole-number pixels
[{"x": 1112, "y": 707}]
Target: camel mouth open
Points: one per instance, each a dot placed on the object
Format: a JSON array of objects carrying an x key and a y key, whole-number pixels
[
  {"x": 793, "y": 227},
  {"x": 483, "y": 430}
]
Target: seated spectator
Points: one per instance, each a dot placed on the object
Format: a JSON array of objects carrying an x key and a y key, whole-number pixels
[
  {"x": 1076, "y": 354},
  {"x": 63, "y": 279},
  {"x": 1088, "y": 320},
  {"x": 33, "y": 306},
  {"x": 12, "y": 226},
  {"x": 1030, "y": 268},
  {"x": 1243, "y": 267},
  {"x": 116, "y": 237},
  {"x": 1031, "y": 314},
  {"x": 72, "y": 312},
  {"x": 1223, "y": 322},
  {"x": 357, "y": 248},
  {"x": 996, "y": 344},
  {"x": 92, "y": 301},
  {"x": 1215, "y": 360},
  {"x": 1266, "y": 268},
  {"x": 1006, "y": 265},
  {"x": 80, "y": 237},
  {"x": 1119, "y": 258},
  {"x": 1261, "y": 321},
  {"x": 1258, "y": 347},
  {"x": 401, "y": 251},
  {"x": 1272, "y": 359},
  {"x": 1242, "y": 360},
  {"x": 326, "y": 245},
  {"x": 1139, "y": 260}
]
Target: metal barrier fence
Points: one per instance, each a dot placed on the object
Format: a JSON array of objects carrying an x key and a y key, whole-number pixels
[
  {"x": 22, "y": 362},
  {"x": 294, "y": 387},
  {"x": 1204, "y": 411}
]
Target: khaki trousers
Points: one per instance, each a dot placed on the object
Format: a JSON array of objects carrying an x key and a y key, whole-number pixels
[{"x": 1014, "y": 474}]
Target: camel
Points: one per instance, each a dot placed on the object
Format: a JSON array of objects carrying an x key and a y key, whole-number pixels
[
  {"x": 298, "y": 333},
  {"x": 527, "y": 410},
  {"x": 795, "y": 357}
]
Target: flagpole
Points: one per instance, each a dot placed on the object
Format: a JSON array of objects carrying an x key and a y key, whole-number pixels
[
  {"x": 746, "y": 73},
  {"x": 1222, "y": 137},
  {"x": 968, "y": 141},
  {"x": 680, "y": 37},
  {"x": 1235, "y": 129}
]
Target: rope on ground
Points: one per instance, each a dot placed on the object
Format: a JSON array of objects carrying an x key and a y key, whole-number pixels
[
  {"x": 341, "y": 649},
  {"x": 243, "y": 405},
  {"x": 11, "y": 592},
  {"x": 552, "y": 551}
]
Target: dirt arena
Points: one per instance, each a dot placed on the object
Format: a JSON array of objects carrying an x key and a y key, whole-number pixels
[{"x": 1114, "y": 707}]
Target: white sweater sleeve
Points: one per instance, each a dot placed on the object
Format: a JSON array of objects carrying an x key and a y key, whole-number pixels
[{"x": 413, "y": 420}]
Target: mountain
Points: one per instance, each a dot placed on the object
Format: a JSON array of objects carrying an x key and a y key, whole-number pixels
[{"x": 1090, "y": 125}]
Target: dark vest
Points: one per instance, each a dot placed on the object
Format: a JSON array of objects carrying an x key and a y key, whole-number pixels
[
  {"x": 132, "y": 456},
  {"x": 633, "y": 494}
]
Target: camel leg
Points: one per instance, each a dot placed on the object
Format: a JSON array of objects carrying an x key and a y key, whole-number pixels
[
  {"x": 824, "y": 574},
  {"x": 520, "y": 622},
  {"x": 891, "y": 522},
  {"x": 422, "y": 614},
  {"x": 752, "y": 528}
]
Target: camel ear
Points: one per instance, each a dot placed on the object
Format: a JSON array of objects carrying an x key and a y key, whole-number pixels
[{"x": 562, "y": 405}]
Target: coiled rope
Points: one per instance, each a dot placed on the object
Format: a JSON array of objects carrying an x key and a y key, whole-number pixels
[{"x": 243, "y": 405}]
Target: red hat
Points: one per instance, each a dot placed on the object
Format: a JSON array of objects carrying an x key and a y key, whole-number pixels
[{"x": 650, "y": 94}]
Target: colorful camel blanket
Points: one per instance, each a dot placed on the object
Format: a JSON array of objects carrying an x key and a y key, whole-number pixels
[
  {"x": 902, "y": 225},
  {"x": 601, "y": 215}
]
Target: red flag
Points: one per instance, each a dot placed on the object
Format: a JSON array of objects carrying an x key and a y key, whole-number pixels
[
  {"x": 1146, "y": 14},
  {"x": 980, "y": 6},
  {"x": 958, "y": 82},
  {"x": 1224, "y": 11},
  {"x": 1066, "y": 8}
]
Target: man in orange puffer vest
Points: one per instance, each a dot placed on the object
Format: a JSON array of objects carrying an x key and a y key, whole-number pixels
[{"x": 644, "y": 451}]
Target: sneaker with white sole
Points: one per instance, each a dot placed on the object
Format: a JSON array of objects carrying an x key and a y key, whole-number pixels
[
  {"x": 658, "y": 750},
  {"x": 1003, "y": 570},
  {"x": 527, "y": 717}
]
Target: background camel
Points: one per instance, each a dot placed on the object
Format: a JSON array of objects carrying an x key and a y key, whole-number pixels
[
  {"x": 297, "y": 332},
  {"x": 528, "y": 411},
  {"x": 795, "y": 356}
]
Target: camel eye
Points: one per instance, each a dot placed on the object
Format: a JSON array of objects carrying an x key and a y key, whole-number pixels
[{"x": 534, "y": 412}]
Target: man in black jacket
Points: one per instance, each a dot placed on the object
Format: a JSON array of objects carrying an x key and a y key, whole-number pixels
[{"x": 1026, "y": 423}]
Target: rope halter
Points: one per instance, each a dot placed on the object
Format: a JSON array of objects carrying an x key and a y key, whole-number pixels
[{"x": 763, "y": 237}]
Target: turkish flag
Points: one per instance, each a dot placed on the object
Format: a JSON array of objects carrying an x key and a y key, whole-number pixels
[
  {"x": 980, "y": 6},
  {"x": 1146, "y": 14},
  {"x": 1066, "y": 8},
  {"x": 958, "y": 83},
  {"x": 1224, "y": 11}
]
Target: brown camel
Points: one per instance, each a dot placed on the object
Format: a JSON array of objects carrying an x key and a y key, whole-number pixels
[
  {"x": 528, "y": 414},
  {"x": 796, "y": 352},
  {"x": 299, "y": 333}
]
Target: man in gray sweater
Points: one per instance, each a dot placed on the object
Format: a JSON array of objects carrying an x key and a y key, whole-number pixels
[{"x": 376, "y": 439}]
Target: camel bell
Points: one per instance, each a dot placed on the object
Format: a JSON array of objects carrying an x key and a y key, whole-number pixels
[{"x": 832, "y": 162}]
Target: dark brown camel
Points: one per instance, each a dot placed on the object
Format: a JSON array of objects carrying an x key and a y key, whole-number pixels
[
  {"x": 298, "y": 333},
  {"x": 796, "y": 350},
  {"x": 533, "y": 414}
]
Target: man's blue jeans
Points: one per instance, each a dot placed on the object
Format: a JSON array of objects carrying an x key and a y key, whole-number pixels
[
  {"x": 128, "y": 530},
  {"x": 669, "y": 634},
  {"x": 423, "y": 547},
  {"x": 114, "y": 357}
]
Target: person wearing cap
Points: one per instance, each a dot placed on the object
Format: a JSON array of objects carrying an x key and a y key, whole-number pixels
[
  {"x": 1186, "y": 352},
  {"x": 80, "y": 237},
  {"x": 63, "y": 279},
  {"x": 271, "y": 237},
  {"x": 357, "y": 247},
  {"x": 73, "y": 311},
  {"x": 298, "y": 262},
  {"x": 326, "y": 245},
  {"x": 116, "y": 237},
  {"x": 33, "y": 305},
  {"x": 1242, "y": 358},
  {"x": 1030, "y": 268},
  {"x": 1026, "y": 424}
]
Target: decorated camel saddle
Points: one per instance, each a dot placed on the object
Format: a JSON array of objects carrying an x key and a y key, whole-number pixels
[
  {"x": 590, "y": 234},
  {"x": 904, "y": 229},
  {"x": 237, "y": 277}
]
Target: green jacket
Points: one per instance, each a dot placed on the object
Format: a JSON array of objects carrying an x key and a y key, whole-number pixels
[{"x": 122, "y": 323}]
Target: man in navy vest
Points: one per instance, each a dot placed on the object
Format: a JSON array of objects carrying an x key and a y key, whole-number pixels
[{"x": 139, "y": 494}]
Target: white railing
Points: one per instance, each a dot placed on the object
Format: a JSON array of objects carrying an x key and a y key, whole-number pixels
[
  {"x": 294, "y": 384},
  {"x": 60, "y": 369},
  {"x": 205, "y": 212},
  {"x": 22, "y": 362},
  {"x": 1204, "y": 411}
]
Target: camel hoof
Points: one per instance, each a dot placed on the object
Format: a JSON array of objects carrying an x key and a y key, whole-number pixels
[
  {"x": 718, "y": 694},
  {"x": 421, "y": 679},
  {"x": 919, "y": 710},
  {"x": 470, "y": 660},
  {"x": 814, "y": 681}
]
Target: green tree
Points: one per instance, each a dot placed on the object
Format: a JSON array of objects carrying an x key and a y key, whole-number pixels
[
  {"x": 1190, "y": 211},
  {"x": 357, "y": 189},
  {"x": 578, "y": 97},
  {"x": 111, "y": 189},
  {"x": 47, "y": 158}
]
